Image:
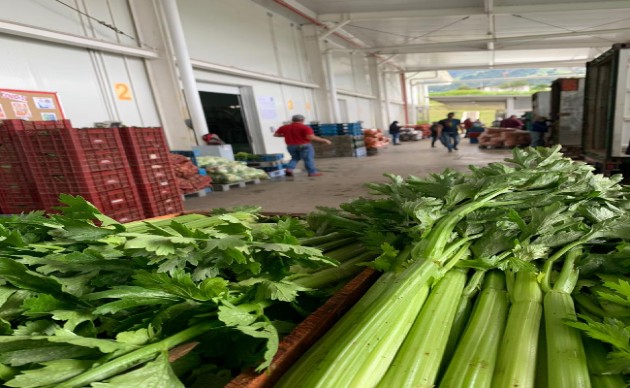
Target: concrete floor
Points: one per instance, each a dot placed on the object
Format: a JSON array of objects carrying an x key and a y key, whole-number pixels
[{"x": 344, "y": 178}]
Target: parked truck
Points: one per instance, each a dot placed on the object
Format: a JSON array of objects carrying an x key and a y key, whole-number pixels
[
  {"x": 606, "y": 130},
  {"x": 566, "y": 111}
]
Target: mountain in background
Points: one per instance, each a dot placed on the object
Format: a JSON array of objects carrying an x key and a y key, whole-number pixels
[{"x": 476, "y": 79}]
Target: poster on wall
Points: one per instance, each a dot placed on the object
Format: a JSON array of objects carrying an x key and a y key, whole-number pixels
[
  {"x": 29, "y": 105},
  {"x": 267, "y": 107}
]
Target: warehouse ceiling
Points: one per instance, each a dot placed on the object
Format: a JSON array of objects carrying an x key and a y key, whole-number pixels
[{"x": 418, "y": 35}]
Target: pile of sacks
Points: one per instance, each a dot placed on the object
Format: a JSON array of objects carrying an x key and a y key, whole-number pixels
[
  {"x": 374, "y": 139},
  {"x": 187, "y": 174},
  {"x": 504, "y": 137}
]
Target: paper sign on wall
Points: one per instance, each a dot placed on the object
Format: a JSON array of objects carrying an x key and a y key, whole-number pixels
[{"x": 267, "y": 108}]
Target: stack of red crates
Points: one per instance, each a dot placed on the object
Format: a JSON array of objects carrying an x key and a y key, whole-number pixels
[
  {"x": 18, "y": 192},
  {"x": 89, "y": 162},
  {"x": 148, "y": 155}
]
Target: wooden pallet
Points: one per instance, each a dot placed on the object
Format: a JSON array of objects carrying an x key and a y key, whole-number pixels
[
  {"x": 275, "y": 163},
  {"x": 200, "y": 193},
  {"x": 228, "y": 186}
]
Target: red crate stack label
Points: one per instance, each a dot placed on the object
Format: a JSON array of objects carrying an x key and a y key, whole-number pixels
[{"x": 148, "y": 155}]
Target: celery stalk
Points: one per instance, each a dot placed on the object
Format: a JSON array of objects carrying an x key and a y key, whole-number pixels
[
  {"x": 516, "y": 364},
  {"x": 474, "y": 359},
  {"x": 567, "y": 365},
  {"x": 352, "y": 337},
  {"x": 418, "y": 360}
]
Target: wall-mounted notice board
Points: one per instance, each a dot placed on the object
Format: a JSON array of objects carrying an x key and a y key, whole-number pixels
[{"x": 29, "y": 105}]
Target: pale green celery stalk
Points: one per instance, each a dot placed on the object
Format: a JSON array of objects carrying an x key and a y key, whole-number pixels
[
  {"x": 392, "y": 333},
  {"x": 329, "y": 246},
  {"x": 303, "y": 368},
  {"x": 328, "y": 276},
  {"x": 542, "y": 361},
  {"x": 567, "y": 365},
  {"x": 346, "y": 252},
  {"x": 462, "y": 316},
  {"x": 369, "y": 370},
  {"x": 418, "y": 360},
  {"x": 516, "y": 363},
  {"x": 146, "y": 353},
  {"x": 311, "y": 241},
  {"x": 596, "y": 357},
  {"x": 473, "y": 362},
  {"x": 351, "y": 339}
]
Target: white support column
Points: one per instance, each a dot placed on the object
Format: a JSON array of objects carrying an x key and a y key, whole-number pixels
[
  {"x": 386, "y": 98},
  {"x": 332, "y": 86},
  {"x": 375, "y": 82},
  {"x": 162, "y": 73},
  {"x": 187, "y": 75},
  {"x": 316, "y": 62}
]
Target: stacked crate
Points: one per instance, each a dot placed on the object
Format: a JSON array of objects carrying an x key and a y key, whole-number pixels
[
  {"x": 18, "y": 192},
  {"x": 89, "y": 162},
  {"x": 148, "y": 155},
  {"x": 346, "y": 138}
]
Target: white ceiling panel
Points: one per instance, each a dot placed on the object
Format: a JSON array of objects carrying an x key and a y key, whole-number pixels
[{"x": 476, "y": 33}]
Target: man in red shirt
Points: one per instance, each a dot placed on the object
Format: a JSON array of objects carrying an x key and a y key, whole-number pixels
[
  {"x": 512, "y": 122},
  {"x": 298, "y": 138}
]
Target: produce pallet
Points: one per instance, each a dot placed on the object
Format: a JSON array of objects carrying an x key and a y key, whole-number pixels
[{"x": 228, "y": 186}]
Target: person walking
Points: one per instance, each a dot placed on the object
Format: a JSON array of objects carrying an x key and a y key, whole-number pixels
[
  {"x": 540, "y": 126},
  {"x": 436, "y": 132},
  {"x": 394, "y": 130},
  {"x": 450, "y": 131},
  {"x": 298, "y": 138}
]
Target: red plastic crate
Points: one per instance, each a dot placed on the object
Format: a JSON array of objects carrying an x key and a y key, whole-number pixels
[
  {"x": 159, "y": 191},
  {"x": 19, "y": 199},
  {"x": 128, "y": 215},
  {"x": 49, "y": 124},
  {"x": 18, "y": 192},
  {"x": 167, "y": 206},
  {"x": 112, "y": 179},
  {"x": 94, "y": 139}
]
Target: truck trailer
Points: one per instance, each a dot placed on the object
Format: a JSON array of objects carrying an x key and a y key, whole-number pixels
[
  {"x": 606, "y": 129},
  {"x": 566, "y": 111}
]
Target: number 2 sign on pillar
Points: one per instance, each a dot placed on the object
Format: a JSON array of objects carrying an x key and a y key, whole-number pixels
[{"x": 123, "y": 91}]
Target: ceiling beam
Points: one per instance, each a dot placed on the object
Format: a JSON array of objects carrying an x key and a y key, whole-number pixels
[
  {"x": 478, "y": 11},
  {"x": 510, "y": 47},
  {"x": 411, "y": 48},
  {"x": 511, "y": 65}
]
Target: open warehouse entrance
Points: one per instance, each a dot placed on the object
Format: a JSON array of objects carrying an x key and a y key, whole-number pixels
[{"x": 224, "y": 116}]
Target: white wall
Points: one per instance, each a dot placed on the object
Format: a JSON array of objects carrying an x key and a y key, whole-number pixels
[
  {"x": 84, "y": 79},
  {"x": 238, "y": 34}
]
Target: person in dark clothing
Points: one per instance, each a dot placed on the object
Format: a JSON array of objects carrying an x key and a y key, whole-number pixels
[
  {"x": 394, "y": 130},
  {"x": 436, "y": 131},
  {"x": 540, "y": 126},
  {"x": 450, "y": 132}
]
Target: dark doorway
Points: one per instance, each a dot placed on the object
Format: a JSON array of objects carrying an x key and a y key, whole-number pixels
[{"x": 225, "y": 118}]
